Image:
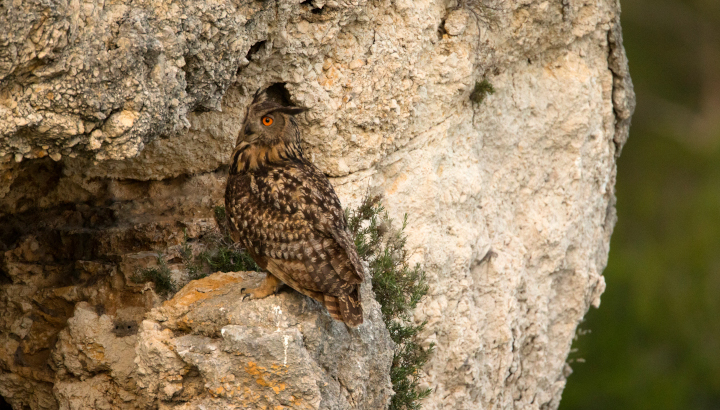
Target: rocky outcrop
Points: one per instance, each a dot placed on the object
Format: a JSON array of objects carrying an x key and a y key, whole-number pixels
[
  {"x": 206, "y": 348},
  {"x": 111, "y": 151}
]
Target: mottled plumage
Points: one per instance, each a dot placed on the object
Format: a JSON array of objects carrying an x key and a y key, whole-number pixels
[{"x": 284, "y": 211}]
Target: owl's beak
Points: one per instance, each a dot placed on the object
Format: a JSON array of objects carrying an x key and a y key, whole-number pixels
[{"x": 248, "y": 131}]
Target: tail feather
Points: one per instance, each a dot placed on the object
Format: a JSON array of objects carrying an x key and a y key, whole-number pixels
[
  {"x": 345, "y": 308},
  {"x": 332, "y": 306},
  {"x": 351, "y": 308}
]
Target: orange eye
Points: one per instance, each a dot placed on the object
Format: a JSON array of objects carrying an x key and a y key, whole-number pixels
[{"x": 267, "y": 121}]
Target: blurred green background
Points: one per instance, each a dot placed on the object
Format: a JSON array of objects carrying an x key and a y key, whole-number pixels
[{"x": 655, "y": 341}]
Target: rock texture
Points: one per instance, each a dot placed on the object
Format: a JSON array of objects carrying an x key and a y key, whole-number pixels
[{"x": 111, "y": 149}]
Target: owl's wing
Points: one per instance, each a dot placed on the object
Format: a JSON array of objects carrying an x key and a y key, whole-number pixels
[
  {"x": 293, "y": 214},
  {"x": 324, "y": 209}
]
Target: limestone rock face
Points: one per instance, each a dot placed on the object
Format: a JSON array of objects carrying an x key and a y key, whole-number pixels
[{"x": 111, "y": 149}]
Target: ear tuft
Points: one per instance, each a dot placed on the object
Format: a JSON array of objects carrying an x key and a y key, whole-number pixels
[{"x": 259, "y": 95}]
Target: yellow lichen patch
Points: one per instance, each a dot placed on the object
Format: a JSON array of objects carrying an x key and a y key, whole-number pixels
[
  {"x": 298, "y": 404},
  {"x": 260, "y": 374},
  {"x": 280, "y": 387},
  {"x": 276, "y": 368},
  {"x": 253, "y": 369},
  {"x": 202, "y": 289}
]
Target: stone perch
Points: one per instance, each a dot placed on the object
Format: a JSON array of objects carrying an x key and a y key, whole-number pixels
[{"x": 205, "y": 348}]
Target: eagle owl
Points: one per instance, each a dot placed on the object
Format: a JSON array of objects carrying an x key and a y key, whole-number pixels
[{"x": 284, "y": 211}]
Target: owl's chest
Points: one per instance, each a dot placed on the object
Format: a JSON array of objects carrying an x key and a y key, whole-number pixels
[
  {"x": 255, "y": 201},
  {"x": 273, "y": 188}
]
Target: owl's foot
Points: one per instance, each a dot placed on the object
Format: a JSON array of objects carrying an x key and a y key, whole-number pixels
[{"x": 267, "y": 287}]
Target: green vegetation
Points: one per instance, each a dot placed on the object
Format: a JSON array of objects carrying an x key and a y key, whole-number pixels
[
  {"x": 225, "y": 256},
  {"x": 221, "y": 253},
  {"x": 192, "y": 264},
  {"x": 481, "y": 90},
  {"x": 398, "y": 288},
  {"x": 218, "y": 253},
  {"x": 160, "y": 276}
]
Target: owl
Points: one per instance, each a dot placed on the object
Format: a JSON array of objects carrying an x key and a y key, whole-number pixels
[{"x": 284, "y": 211}]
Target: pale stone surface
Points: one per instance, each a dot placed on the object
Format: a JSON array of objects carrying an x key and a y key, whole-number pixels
[
  {"x": 456, "y": 22},
  {"x": 510, "y": 202}
]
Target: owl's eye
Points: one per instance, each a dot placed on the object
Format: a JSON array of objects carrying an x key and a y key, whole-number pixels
[{"x": 267, "y": 121}]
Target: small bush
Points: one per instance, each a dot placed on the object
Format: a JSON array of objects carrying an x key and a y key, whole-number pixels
[
  {"x": 398, "y": 288},
  {"x": 221, "y": 220},
  {"x": 228, "y": 257},
  {"x": 481, "y": 90},
  {"x": 221, "y": 253},
  {"x": 194, "y": 268},
  {"x": 160, "y": 276}
]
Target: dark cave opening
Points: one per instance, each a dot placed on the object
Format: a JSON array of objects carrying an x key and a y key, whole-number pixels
[{"x": 4, "y": 405}]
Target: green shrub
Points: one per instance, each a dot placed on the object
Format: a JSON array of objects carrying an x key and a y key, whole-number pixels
[
  {"x": 160, "y": 276},
  {"x": 226, "y": 256},
  {"x": 221, "y": 253},
  {"x": 398, "y": 288},
  {"x": 481, "y": 90}
]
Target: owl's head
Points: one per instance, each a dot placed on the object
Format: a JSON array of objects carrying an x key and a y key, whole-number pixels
[{"x": 269, "y": 120}]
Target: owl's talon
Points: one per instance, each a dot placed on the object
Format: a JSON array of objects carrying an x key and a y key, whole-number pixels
[
  {"x": 267, "y": 287},
  {"x": 245, "y": 294}
]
